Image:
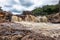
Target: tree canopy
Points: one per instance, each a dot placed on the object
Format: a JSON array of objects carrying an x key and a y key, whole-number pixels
[{"x": 46, "y": 10}]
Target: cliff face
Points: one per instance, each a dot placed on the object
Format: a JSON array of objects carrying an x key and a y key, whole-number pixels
[
  {"x": 28, "y": 16},
  {"x": 54, "y": 18},
  {"x": 5, "y": 16}
]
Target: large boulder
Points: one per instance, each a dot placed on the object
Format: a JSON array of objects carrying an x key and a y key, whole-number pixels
[{"x": 54, "y": 18}]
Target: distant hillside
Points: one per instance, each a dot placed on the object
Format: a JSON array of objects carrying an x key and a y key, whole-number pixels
[{"x": 46, "y": 10}]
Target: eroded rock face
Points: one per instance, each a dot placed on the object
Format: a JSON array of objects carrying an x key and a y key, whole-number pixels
[
  {"x": 13, "y": 29},
  {"x": 27, "y": 37},
  {"x": 37, "y": 37},
  {"x": 54, "y": 18},
  {"x": 5, "y": 16},
  {"x": 29, "y": 31},
  {"x": 10, "y": 31}
]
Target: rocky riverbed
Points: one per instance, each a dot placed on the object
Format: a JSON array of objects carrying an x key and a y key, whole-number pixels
[{"x": 29, "y": 31}]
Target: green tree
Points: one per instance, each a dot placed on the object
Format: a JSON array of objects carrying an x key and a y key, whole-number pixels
[
  {"x": 46, "y": 10},
  {"x": 37, "y": 11},
  {"x": 1, "y": 9}
]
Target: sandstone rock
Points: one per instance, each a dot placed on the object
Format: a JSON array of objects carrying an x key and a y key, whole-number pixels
[
  {"x": 54, "y": 18},
  {"x": 1, "y": 38},
  {"x": 16, "y": 37},
  {"x": 37, "y": 37},
  {"x": 29, "y": 31}
]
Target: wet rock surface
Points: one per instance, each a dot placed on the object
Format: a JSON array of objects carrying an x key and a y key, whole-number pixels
[
  {"x": 54, "y": 18},
  {"x": 19, "y": 31}
]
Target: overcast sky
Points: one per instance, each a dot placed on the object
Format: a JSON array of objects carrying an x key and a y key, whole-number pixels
[{"x": 17, "y": 6}]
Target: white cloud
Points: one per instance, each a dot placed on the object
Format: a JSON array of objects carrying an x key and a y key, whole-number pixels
[
  {"x": 21, "y": 5},
  {"x": 17, "y": 1},
  {"x": 15, "y": 13},
  {"x": 17, "y": 7}
]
